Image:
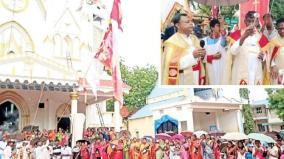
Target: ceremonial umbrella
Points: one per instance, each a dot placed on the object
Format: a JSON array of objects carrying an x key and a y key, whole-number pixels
[
  {"x": 163, "y": 136},
  {"x": 261, "y": 137},
  {"x": 199, "y": 133},
  {"x": 216, "y": 133},
  {"x": 186, "y": 133},
  {"x": 235, "y": 136},
  {"x": 178, "y": 137},
  {"x": 220, "y": 2}
]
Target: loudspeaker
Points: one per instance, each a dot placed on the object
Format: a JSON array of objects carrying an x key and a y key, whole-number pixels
[{"x": 41, "y": 105}]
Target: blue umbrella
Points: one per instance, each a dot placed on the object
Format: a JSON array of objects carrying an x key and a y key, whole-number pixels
[{"x": 261, "y": 137}]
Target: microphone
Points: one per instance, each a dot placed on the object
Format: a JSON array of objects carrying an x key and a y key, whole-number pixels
[{"x": 202, "y": 43}]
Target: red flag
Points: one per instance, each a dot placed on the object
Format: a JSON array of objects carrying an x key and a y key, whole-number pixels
[
  {"x": 108, "y": 51},
  {"x": 104, "y": 55},
  {"x": 214, "y": 11},
  {"x": 263, "y": 42},
  {"x": 260, "y": 6},
  {"x": 116, "y": 13}
]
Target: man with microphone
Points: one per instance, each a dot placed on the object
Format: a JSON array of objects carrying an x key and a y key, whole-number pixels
[
  {"x": 181, "y": 62},
  {"x": 248, "y": 48}
]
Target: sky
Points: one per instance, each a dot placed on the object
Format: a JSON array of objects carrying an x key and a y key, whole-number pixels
[
  {"x": 141, "y": 32},
  {"x": 256, "y": 93}
]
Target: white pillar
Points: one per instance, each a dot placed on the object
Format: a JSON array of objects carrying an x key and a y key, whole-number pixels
[
  {"x": 117, "y": 117},
  {"x": 190, "y": 125},
  {"x": 217, "y": 120},
  {"x": 240, "y": 121},
  {"x": 74, "y": 102},
  {"x": 78, "y": 120}
]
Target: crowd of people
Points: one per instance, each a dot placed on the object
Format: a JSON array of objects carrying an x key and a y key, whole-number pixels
[
  {"x": 247, "y": 56},
  {"x": 104, "y": 143}
]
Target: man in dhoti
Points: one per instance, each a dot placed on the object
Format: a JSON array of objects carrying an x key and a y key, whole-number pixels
[
  {"x": 248, "y": 49},
  {"x": 277, "y": 54},
  {"x": 182, "y": 56},
  {"x": 215, "y": 54}
]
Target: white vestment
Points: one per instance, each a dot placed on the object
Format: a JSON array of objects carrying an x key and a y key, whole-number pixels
[
  {"x": 247, "y": 68},
  {"x": 215, "y": 69},
  {"x": 188, "y": 61}
]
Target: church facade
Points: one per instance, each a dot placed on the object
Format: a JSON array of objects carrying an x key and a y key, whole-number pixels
[{"x": 46, "y": 46}]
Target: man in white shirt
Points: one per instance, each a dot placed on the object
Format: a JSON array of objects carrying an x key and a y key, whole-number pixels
[
  {"x": 8, "y": 153},
  {"x": 2, "y": 147},
  {"x": 41, "y": 151},
  {"x": 66, "y": 152}
]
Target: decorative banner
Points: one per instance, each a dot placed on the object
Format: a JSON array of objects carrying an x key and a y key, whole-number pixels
[{"x": 260, "y": 6}]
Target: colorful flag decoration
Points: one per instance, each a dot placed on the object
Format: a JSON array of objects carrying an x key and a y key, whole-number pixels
[
  {"x": 260, "y": 6},
  {"x": 109, "y": 49}
]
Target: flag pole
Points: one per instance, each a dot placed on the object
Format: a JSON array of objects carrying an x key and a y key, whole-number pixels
[{"x": 117, "y": 117}]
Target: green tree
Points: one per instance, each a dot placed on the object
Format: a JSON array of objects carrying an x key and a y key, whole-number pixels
[
  {"x": 277, "y": 8},
  {"x": 227, "y": 11},
  {"x": 276, "y": 101},
  {"x": 247, "y": 112},
  {"x": 141, "y": 80}
]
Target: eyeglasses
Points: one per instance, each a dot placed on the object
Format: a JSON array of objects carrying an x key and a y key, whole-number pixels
[{"x": 280, "y": 28}]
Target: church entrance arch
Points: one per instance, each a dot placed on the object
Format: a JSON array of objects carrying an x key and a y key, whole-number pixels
[{"x": 14, "y": 107}]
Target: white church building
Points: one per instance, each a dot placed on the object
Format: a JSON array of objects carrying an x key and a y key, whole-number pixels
[
  {"x": 187, "y": 109},
  {"x": 46, "y": 46}
]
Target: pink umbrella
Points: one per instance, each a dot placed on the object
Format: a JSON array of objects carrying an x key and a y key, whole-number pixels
[
  {"x": 220, "y": 2},
  {"x": 163, "y": 136},
  {"x": 178, "y": 137}
]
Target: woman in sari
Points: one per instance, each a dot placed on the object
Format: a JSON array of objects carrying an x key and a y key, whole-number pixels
[
  {"x": 216, "y": 148},
  {"x": 84, "y": 152},
  {"x": 230, "y": 150},
  {"x": 160, "y": 148},
  {"x": 195, "y": 148},
  {"x": 153, "y": 149},
  {"x": 241, "y": 150},
  {"x": 118, "y": 150},
  {"x": 125, "y": 149},
  {"x": 144, "y": 150},
  {"x": 103, "y": 150}
]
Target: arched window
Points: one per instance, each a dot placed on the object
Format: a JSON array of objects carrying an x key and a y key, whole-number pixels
[{"x": 15, "y": 38}]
